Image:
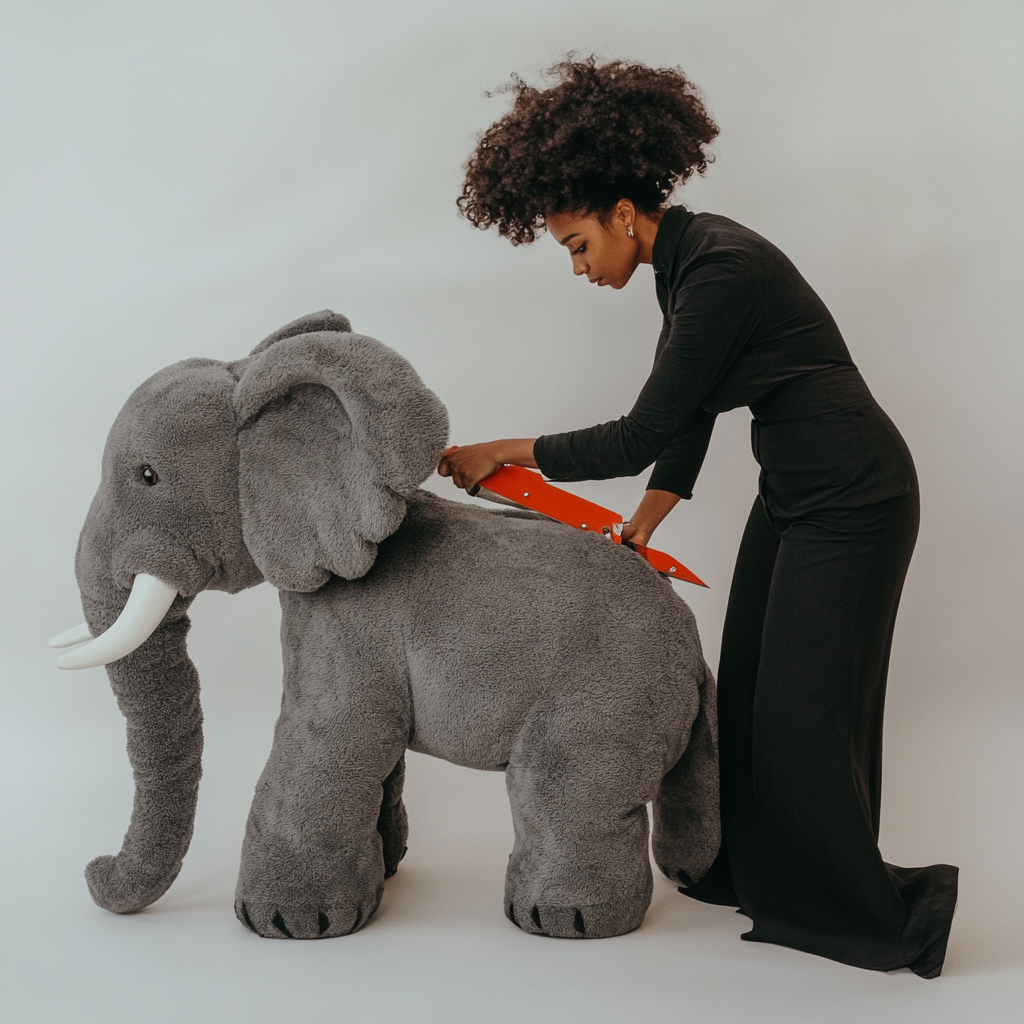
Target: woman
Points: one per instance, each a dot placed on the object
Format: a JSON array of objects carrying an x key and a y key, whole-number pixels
[{"x": 805, "y": 650}]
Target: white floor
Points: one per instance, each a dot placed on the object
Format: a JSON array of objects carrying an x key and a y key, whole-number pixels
[{"x": 438, "y": 949}]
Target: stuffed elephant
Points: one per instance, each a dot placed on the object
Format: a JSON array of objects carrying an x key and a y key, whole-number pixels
[{"x": 498, "y": 640}]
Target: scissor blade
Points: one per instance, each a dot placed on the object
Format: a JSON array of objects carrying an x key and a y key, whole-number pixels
[
  {"x": 524, "y": 487},
  {"x": 667, "y": 565}
]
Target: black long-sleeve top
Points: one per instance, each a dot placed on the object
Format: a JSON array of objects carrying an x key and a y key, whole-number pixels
[{"x": 742, "y": 327}]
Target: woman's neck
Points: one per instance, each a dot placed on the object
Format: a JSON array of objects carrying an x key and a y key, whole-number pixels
[{"x": 645, "y": 227}]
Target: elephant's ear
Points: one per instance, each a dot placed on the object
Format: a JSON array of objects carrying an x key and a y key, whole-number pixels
[
  {"x": 335, "y": 431},
  {"x": 325, "y": 320}
]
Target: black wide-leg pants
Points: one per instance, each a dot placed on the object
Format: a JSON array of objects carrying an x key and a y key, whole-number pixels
[{"x": 801, "y": 690}]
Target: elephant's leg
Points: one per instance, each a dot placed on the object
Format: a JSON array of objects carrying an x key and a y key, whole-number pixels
[
  {"x": 313, "y": 861},
  {"x": 580, "y": 865},
  {"x": 687, "y": 830},
  {"x": 392, "y": 822}
]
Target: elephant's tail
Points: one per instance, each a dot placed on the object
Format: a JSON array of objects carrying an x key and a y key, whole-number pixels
[{"x": 687, "y": 828}]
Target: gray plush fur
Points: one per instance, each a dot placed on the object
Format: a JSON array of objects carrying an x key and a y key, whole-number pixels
[{"x": 493, "y": 639}]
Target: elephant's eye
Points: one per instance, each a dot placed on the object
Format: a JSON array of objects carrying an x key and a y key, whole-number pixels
[{"x": 149, "y": 475}]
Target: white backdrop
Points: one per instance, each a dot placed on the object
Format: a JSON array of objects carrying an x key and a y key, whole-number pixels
[{"x": 180, "y": 179}]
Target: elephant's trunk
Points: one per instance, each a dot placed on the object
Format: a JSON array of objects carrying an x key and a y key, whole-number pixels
[{"x": 157, "y": 689}]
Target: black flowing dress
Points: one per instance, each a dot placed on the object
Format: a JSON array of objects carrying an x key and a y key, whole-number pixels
[{"x": 805, "y": 648}]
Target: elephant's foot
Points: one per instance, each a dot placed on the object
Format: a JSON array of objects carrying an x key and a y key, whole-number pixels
[
  {"x": 586, "y": 900},
  {"x": 594, "y": 921},
  {"x": 684, "y": 858},
  {"x": 308, "y": 891},
  {"x": 320, "y": 920}
]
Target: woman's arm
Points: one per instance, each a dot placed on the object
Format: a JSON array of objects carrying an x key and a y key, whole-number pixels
[
  {"x": 471, "y": 464},
  {"x": 468, "y": 465},
  {"x": 644, "y": 521},
  {"x": 677, "y": 467},
  {"x": 715, "y": 311}
]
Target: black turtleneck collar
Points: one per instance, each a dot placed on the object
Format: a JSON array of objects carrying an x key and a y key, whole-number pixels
[{"x": 674, "y": 222}]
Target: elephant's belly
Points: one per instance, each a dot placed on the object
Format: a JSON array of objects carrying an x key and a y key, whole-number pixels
[{"x": 467, "y": 732}]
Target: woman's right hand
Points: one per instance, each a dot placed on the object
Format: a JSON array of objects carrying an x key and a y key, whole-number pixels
[
  {"x": 650, "y": 512},
  {"x": 635, "y": 535}
]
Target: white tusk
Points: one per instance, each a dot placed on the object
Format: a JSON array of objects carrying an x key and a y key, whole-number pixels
[
  {"x": 144, "y": 611},
  {"x": 70, "y": 637}
]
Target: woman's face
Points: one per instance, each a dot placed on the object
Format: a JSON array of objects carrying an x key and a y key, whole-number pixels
[{"x": 605, "y": 253}]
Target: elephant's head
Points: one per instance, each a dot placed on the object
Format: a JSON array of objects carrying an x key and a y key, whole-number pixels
[{"x": 289, "y": 466}]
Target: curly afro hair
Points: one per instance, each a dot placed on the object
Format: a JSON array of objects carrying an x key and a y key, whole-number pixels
[{"x": 603, "y": 132}]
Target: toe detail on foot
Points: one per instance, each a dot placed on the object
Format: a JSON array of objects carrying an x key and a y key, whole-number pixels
[
  {"x": 597, "y": 921},
  {"x": 302, "y": 921}
]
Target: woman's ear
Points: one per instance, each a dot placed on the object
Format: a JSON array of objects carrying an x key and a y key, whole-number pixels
[{"x": 335, "y": 431}]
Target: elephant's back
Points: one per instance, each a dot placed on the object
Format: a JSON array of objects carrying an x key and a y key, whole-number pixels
[
  {"x": 527, "y": 546},
  {"x": 519, "y": 560}
]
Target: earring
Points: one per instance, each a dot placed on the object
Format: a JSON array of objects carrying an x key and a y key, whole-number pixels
[{"x": 629, "y": 231}]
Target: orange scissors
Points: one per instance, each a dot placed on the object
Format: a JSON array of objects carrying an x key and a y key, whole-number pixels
[{"x": 524, "y": 488}]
